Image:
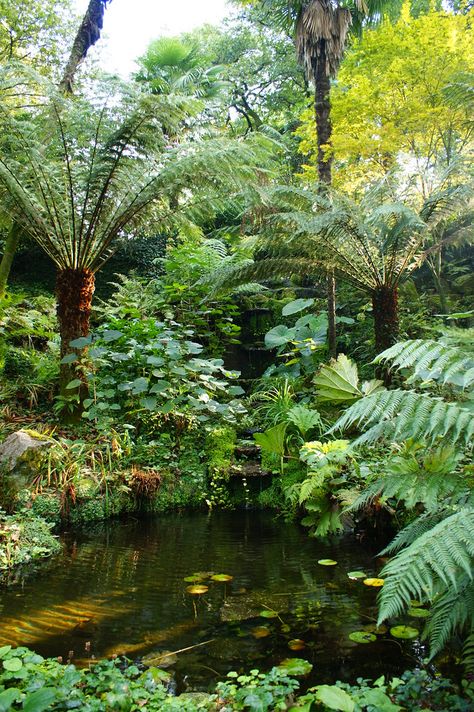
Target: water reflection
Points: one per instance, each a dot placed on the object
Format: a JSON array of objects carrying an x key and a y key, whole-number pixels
[{"x": 120, "y": 589}]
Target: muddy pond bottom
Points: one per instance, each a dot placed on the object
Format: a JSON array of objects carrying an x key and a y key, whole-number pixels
[{"x": 245, "y": 584}]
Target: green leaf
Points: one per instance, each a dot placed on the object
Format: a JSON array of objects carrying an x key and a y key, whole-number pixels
[
  {"x": 295, "y": 666},
  {"x": 362, "y": 636},
  {"x": 13, "y": 664},
  {"x": 279, "y": 336},
  {"x": 4, "y": 650},
  {"x": 81, "y": 342},
  {"x": 148, "y": 402},
  {"x": 140, "y": 385},
  {"x": 69, "y": 358},
  {"x": 296, "y": 306},
  {"x": 273, "y": 439},
  {"x": 335, "y": 698},
  {"x": 40, "y": 700},
  {"x": 155, "y": 360},
  {"x": 380, "y": 701},
  {"x": 110, "y": 335},
  {"x": 404, "y": 632},
  {"x": 73, "y": 384},
  {"x": 338, "y": 382},
  {"x": 7, "y": 698}
]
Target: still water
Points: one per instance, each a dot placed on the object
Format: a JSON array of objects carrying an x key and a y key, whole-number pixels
[{"x": 119, "y": 588}]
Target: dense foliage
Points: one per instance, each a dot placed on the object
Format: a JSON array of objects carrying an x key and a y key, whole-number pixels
[{"x": 229, "y": 182}]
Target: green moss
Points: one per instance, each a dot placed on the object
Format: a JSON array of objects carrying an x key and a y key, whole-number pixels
[
  {"x": 220, "y": 446},
  {"x": 25, "y": 537}
]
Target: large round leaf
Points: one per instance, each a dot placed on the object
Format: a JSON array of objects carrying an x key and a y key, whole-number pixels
[
  {"x": 296, "y": 306},
  {"x": 279, "y": 336}
]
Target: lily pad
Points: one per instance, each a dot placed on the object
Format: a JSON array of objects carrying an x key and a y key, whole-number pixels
[
  {"x": 195, "y": 578},
  {"x": 223, "y": 578},
  {"x": 414, "y": 603},
  {"x": 296, "y": 644},
  {"x": 375, "y": 582},
  {"x": 405, "y": 632},
  {"x": 362, "y": 636},
  {"x": 418, "y": 612},
  {"x": 377, "y": 629},
  {"x": 197, "y": 589},
  {"x": 356, "y": 575},
  {"x": 327, "y": 562},
  {"x": 260, "y": 631},
  {"x": 295, "y": 666},
  {"x": 268, "y": 614}
]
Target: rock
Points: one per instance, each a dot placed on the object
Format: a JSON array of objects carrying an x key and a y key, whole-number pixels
[
  {"x": 247, "y": 606},
  {"x": 20, "y": 455},
  {"x": 18, "y": 446}
]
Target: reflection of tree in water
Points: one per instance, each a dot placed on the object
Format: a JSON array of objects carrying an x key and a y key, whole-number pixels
[{"x": 119, "y": 587}]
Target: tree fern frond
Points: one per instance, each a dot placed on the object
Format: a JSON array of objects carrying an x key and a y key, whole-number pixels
[
  {"x": 432, "y": 563},
  {"x": 468, "y": 651},
  {"x": 408, "y": 415},
  {"x": 431, "y": 360},
  {"x": 452, "y": 610},
  {"x": 422, "y": 524}
]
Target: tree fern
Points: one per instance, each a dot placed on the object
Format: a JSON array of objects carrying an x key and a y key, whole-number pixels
[
  {"x": 431, "y": 360},
  {"x": 400, "y": 414},
  {"x": 436, "y": 563}
]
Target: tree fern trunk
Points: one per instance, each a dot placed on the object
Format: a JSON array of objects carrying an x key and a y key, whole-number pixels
[
  {"x": 11, "y": 245},
  {"x": 74, "y": 290},
  {"x": 385, "y": 310},
  {"x": 322, "y": 111},
  {"x": 331, "y": 297}
]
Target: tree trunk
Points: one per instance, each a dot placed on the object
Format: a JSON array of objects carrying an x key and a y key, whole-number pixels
[
  {"x": 385, "y": 310},
  {"x": 322, "y": 111},
  {"x": 74, "y": 290},
  {"x": 11, "y": 245},
  {"x": 87, "y": 35},
  {"x": 331, "y": 297}
]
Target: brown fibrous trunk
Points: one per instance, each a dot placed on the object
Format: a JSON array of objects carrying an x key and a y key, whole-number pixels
[
  {"x": 385, "y": 311},
  {"x": 74, "y": 290},
  {"x": 322, "y": 110}
]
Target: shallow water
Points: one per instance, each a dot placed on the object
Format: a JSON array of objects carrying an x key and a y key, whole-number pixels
[{"x": 118, "y": 589}]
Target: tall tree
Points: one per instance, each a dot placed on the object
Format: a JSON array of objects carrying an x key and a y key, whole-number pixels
[
  {"x": 374, "y": 244},
  {"x": 87, "y": 35},
  {"x": 88, "y": 175},
  {"x": 321, "y": 29},
  {"x": 403, "y": 101}
]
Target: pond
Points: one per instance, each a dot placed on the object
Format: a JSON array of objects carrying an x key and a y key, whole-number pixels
[{"x": 119, "y": 588}]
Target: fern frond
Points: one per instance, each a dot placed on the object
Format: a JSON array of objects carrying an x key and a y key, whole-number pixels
[
  {"x": 452, "y": 610},
  {"x": 406, "y": 536},
  {"x": 407, "y": 414},
  {"x": 433, "y": 563},
  {"x": 431, "y": 360},
  {"x": 468, "y": 652}
]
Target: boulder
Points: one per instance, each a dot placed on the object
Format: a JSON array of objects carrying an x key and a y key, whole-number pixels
[{"x": 20, "y": 457}]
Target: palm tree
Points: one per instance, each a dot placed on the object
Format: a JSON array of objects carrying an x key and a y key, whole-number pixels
[
  {"x": 321, "y": 29},
  {"x": 373, "y": 245},
  {"x": 171, "y": 65},
  {"x": 86, "y": 176}
]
